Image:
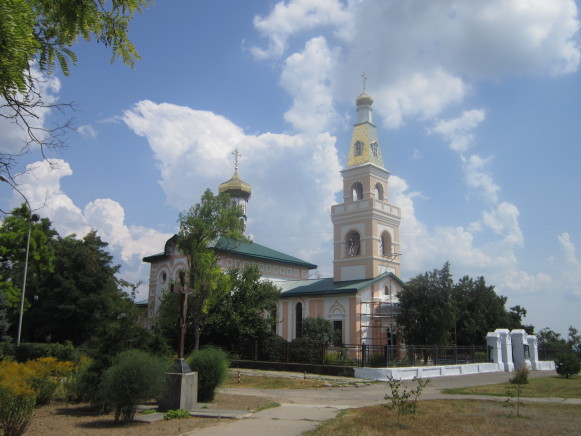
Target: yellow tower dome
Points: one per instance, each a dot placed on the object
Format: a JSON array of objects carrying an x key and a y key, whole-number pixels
[{"x": 238, "y": 190}]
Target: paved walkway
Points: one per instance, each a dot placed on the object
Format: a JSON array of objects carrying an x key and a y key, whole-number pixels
[{"x": 304, "y": 409}]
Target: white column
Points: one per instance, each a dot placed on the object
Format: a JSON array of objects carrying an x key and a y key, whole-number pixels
[
  {"x": 520, "y": 349},
  {"x": 534, "y": 352},
  {"x": 493, "y": 342},
  {"x": 506, "y": 349}
]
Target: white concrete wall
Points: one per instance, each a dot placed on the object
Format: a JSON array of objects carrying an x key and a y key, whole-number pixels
[{"x": 408, "y": 373}]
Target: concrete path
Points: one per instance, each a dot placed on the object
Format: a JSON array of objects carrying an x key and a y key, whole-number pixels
[{"x": 304, "y": 409}]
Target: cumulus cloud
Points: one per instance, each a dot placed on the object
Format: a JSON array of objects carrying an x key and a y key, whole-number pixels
[
  {"x": 458, "y": 131},
  {"x": 41, "y": 185},
  {"x": 293, "y": 177}
]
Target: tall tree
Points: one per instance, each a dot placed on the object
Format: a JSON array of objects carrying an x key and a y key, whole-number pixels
[
  {"x": 13, "y": 236},
  {"x": 42, "y": 32},
  {"x": 478, "y": 310},
  {"x": 243, "y": 311},
  {"x": 206, "y": 229},
  {"x": 426, "y": 314},
  {"x": 80, "y": 295}
]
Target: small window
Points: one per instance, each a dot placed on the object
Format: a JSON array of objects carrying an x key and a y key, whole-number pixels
[
  {"x": 299, "y": 320},
  {"x": 338, "y": 327},
  {"x": 358, "y": 148},
  {"x": 374, "y": 149}
]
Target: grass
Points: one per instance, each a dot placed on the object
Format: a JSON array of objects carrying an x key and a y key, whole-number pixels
[
  {"x": 268, "y": 382},
  {"x": 268, "y": 406},
  {"x": 452, "y": 417},
  {"x": 542, "y": 387}
]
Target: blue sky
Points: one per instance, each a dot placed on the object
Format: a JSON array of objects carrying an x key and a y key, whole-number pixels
[{"x": 476, "y": 104}]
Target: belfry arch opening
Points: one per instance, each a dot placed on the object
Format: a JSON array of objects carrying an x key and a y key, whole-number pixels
[
  {"x": 357, "y": 189},
  {"x": 379, "y": 191},
  {"x": 386, "y": 244},
  {"x": 353, "y": 243}
]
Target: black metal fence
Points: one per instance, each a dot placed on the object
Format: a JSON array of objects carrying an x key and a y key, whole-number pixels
[{"x": 365, "y": 355}]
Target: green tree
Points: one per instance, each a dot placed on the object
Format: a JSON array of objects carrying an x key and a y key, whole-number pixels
[
  {"x": 515, "y": 319},
  {"x": 478, "y": 310},
  {"x": 244, "y": 310},
  {"x": 426, "y": 314},
  {"x": 206, "y": 230},
  {"x": 320, "y": 330},
  {"x": 4, "y": 324},
  {"x": 13, "y": 235},
  {"x": 82, "y": 292},
  {"x": 548, "y": 338},
  {"x": 42, "y": 32}
]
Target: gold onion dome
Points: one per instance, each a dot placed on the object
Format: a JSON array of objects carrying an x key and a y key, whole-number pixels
[
  {"x": 364, "y": 99},
  {"x": 236, "y": 187}
]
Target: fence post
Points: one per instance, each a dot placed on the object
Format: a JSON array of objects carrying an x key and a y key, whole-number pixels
[
  {"x": 456, "y": 354},
  {"x": 413, "y": 356},
  {"x": 363, "y": 352},
  {"x": 473, "y": 354},
  {"x": 435, "y": 355},
  {"x": 386, "y": 355},
  {"x": 255, "y": 346}
]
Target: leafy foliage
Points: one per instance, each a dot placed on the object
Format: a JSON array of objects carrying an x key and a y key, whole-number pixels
[
  {"x": 206, "y": 229},
  {"x": 211, "y": 364},
  {"x": 426, "y": 313},
  {"x": 176, "y": 414},
  {"x": 405, "y": 401},
  {"x": 134, "y": 376},
  {"x": 320, "y": 330},
  {"x": 520, "y": 377},
  {"x": 242, "y": 311},
  {"x": 567, "y": 364},
  {"x": 41, "y": 33}
]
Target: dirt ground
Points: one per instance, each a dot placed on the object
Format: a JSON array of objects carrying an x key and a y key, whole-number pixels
[{"x": 78, "y": 419}]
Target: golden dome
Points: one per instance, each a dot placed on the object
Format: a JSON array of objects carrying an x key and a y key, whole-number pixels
[
  {"x": 364, "y": 99},
  {"x": 236, "y": 187}
]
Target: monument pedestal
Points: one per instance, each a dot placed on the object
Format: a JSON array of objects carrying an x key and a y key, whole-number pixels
[{"x": 181, "y": 388}]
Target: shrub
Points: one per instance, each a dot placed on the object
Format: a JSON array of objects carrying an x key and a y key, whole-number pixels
[
  {"x": 339, "y": 357},
  {"x": 134, "y": 376},
  {"x": 211, "y": 364},
  {"x": 404, "y": 401},
  {"x": 377, "y": 360},
  {"x": 176, "y": 414},
  {"x": 520, "y": 377},
  {"x": 305, "y": 350},
  {"x": 17, "y": 398},
  {"x": 274, "y": 348},
  {"x": 6, "y": 351},
  {"x": 567, "y": 364},
  {"x": 29, "y": 351}
]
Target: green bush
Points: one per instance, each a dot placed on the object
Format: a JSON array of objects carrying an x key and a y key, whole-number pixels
[
  {"x": 135, "y": 376},
  {"x": 567, "y": 364},
  {"x": 211, "y": 364},
  {"x": 305, "y": 350},
  {"x": 339, "y": 357},
  {"x": 16, "y": 411},
  {"x": 30, "y": 351},
  {"x": 274, "y": 348},
  {"x": 520, "y": 377},
  {"x": 6, "y": 351},
  {"x": 176, "y": 414},
  {"x": 377, "y": 360}
]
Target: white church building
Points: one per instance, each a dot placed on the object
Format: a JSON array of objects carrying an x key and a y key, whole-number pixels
[{"x": 359, "y": 299}]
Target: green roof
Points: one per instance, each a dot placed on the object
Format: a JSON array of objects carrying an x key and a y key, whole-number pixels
[
  {"x": 322, "y": 287},
  {"x": 247, "y": 249},
  {"x": 141, "y": 302}
]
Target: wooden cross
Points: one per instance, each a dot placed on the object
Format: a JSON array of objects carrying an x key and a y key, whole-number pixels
[
  {"x": 184, "y": 291},
  {"x": 364, "y": 77}
]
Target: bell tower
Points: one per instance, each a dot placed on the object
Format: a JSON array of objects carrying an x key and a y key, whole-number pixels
[{"x": 366, "y": 225}]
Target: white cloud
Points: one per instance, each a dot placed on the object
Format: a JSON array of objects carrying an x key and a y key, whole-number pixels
[
  {"x": 289, "y": 18},
  {"x": 478, "y": 176},
  {"x": 306, "y": 78},
  {"x": 293, "y": 177},
  {"x": 458, "y": 130},
  {"x": 40, "y": 183},
  {"x": 87, "y": 130},
  {"x": 13, "y": 136}
]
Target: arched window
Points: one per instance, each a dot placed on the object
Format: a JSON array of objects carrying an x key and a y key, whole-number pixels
[
  {"x": 358, "y": 148},
  {"x": 357, "y": 191},
  {"x": 353, "y": 243},
  {"x": 299, "y": 320},
  {"x": 385, "y": 244},
  {"x": 379, "y": 191},
  {"x": 374, "y": 149}
]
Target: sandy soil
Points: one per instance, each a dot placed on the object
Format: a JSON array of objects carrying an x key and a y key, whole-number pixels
[{"x": 78, "y": 419}]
